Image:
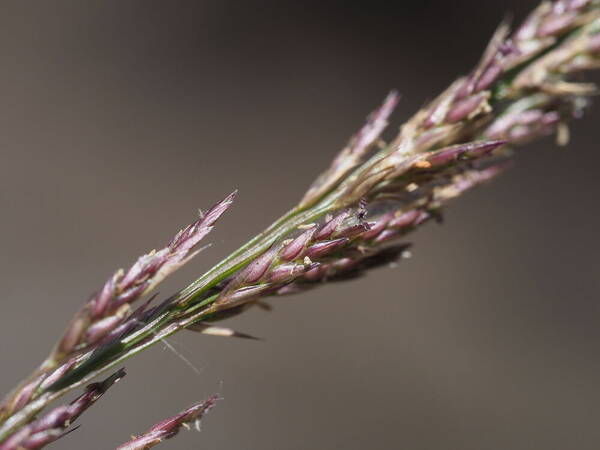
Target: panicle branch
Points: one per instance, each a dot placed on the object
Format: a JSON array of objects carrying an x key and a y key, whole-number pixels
[
  {"x": 55, "y": 423},
  {"x": 355, "y": 152},
  {"x": 108, "y": 313},
  {"x": 168, "y": 428},
  {"x": 111, "y": 305},
  {"x": 342, "y": 243}
]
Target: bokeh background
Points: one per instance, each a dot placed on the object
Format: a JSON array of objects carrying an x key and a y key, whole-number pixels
[{"x": 118, "y": 119}]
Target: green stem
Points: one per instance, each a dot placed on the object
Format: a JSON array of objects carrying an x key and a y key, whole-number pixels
[{"x": 255, "y": 247}]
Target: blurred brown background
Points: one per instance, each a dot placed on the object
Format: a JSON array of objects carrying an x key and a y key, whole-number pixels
[{"x": 118, "y": 119}]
